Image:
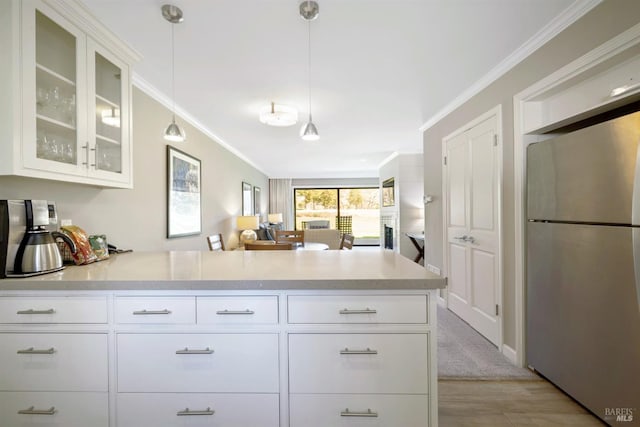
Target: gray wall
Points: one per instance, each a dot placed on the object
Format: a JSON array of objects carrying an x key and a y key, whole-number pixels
[
  {"x": 602, "y": 23},
  {"x": 136, "y": 218}
]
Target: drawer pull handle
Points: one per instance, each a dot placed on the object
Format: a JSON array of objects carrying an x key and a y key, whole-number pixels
[
  {"x": 247, "y": 311},
  {"x": 365, "y": 311},
  {"x": 366, "y": 351},
  {"x": 348, "y": 413},
  {"x": 32, "y": 311},
  {"x": 187, "y": 351},
  {"x": 188, "y": 411},
  {"x": 32, "y": 411},
  {"x": 143, "y": 312},
  {"x": 31, "y": 350}
]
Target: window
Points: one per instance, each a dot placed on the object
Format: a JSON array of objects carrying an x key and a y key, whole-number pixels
[{"x": 351, "y": 210}]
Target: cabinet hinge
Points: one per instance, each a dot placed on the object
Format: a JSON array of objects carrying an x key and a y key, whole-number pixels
[
  {"x": 445, "y": 160},
  {"x": 497, "y": 310},
  {"x": 495, "y": 140}
]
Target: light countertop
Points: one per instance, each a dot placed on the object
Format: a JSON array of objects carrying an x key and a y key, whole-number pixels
[{"x": 239, "y": 270}]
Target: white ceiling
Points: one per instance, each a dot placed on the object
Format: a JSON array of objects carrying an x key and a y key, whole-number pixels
[{"x": 380, "y": 69}]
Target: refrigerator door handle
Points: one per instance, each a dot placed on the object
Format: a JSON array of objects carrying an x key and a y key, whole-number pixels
[
  {"x": 636, "y": 261},
  {"x": 635, "y": 201},
  {"x": 635, "y": 220}
]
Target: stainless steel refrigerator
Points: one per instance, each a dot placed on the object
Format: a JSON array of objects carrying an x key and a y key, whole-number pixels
[{"x": 583, "y": 266}]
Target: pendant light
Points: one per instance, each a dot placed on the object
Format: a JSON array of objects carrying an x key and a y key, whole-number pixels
[
  {"x": 173, "y": 132},
  {"x": 309, "y": 11}
]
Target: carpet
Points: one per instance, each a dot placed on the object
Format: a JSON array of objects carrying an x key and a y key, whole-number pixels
[{"x": 464, "y": 353}]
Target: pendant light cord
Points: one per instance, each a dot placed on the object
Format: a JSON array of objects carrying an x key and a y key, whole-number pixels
[
  {"x": 173, "y": 74},
  {"x": 309, "y": 67}
]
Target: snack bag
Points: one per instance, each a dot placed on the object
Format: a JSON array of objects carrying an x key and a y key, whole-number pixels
[
  {"x": 99, "y": 245},
  {"x": 84, "y": 254}
]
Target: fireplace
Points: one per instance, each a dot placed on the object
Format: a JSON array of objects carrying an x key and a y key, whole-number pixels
[{"x": 388, "y": 237}]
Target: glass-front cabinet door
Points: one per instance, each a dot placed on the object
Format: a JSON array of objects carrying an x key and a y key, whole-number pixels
[
  {"x": 76, "y": 98},
  {"x": 53, "y": 92},
  {"x": 109, "y": 126}
]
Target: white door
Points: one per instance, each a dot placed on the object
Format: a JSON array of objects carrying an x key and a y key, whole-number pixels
[{"x": 471, "y": 189}]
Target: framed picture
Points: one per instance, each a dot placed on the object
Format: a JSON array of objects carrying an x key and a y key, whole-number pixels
[
  {"x": 256, "y": 200},
  {"x": 247, "y": 199},
  {"x": 183, "y": 194},
  {"x": 388, "y": 195}
]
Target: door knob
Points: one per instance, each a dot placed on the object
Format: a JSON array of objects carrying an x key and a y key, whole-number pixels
[{"x": 463, "y": 238}]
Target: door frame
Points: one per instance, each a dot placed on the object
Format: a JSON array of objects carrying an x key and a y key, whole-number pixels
[{"x": 497, "y": 112}]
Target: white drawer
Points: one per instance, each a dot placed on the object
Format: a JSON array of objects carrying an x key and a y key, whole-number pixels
[
  {"x": 233, "y": 363},
  {"x": 358, "y": 309},
  {"x": 238, "y": 310},
  {"x": 228, "y": 410},
  {"x": 331, "y": 410},
  {"x": 172, "y": 310},
  {"x": 53, "y": 310},
  {"x": 390, "y": 363},
  {"x": 53, "y": 362},
  {"x": 69, "y": 409}
]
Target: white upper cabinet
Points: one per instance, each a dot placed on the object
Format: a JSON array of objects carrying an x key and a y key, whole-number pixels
[{"x": 69, "y": 96}]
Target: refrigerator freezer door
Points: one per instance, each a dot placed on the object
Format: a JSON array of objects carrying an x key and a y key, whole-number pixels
[
  {"x": 587, "y": 175},
  {"x": 583, "y": 320}
]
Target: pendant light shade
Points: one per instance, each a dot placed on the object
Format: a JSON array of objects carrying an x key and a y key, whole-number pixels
[
  {"x": 309, "y": 132},
  {"x": 173, "y": 132},
  {"x": 309, "y": 11}
]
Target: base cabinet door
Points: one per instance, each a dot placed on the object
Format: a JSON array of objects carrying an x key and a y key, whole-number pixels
[
  {"x": 49, "y": 409},
  {"x": 197, "y": 409},
  {"x": 337, "y": 410}
]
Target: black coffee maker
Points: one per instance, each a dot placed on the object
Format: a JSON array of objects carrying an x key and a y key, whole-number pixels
[{"x": 27, "y": 245}]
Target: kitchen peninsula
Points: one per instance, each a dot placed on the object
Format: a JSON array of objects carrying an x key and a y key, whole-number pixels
[{"x": 278, "y": 338}]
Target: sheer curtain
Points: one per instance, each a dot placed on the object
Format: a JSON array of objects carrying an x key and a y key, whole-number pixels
[{"x": 281, "y": 200}]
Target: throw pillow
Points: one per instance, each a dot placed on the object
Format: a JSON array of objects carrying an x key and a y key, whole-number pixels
[{"x": 262, "y": 234}]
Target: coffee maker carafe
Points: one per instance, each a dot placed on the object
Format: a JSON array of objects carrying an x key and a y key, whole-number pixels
[{"x": 27, "y": 247}]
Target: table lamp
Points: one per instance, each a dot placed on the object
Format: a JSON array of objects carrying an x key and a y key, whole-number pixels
[
  {"x": 247, "y": 224},
  {"x": 275, "y": 218}
]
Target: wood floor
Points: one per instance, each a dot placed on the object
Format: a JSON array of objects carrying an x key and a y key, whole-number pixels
[{"x": 508, "y": 403}]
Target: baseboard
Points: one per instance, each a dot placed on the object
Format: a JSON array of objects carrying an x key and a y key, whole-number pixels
[
  {"x": 510, "y": 354},
  {"x": 441, "y": 301}
]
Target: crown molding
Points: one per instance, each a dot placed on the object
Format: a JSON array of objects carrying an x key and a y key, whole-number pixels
[
  {"x": 388, "y": 159},
  {"x": 570, "y": 15},
  {"x": 167, "y": 102},
  {"x": 78, "y": 13}
]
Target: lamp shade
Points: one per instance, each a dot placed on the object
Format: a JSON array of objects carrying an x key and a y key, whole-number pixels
[
  {"x": 275, "y": 218},
  {"x": 248, "y": 222}
]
